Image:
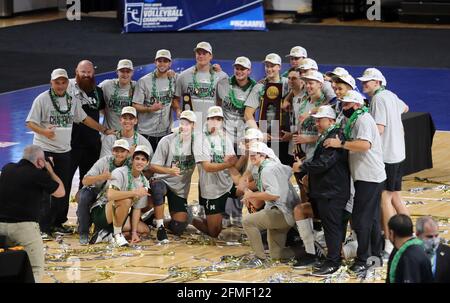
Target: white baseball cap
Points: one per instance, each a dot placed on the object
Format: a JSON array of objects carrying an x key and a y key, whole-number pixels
[
  {"x": 259, "y": 147},
  {"x": 253, "y": 133},
  {"x": 313, "y": 75},
  {"x": 308, "y": 63},
  {"x": 353, "y": 97},
  {"x": 122, "y": 143},
  {"x": 243, "y": 61},
  {"x": 347, "y": 78},
  {"x": 163, "y": 53},
  {"x": 338, "y": 71},
  {"x": 142, "y": 148},
  {"x": 205, "y": 46},
  {"x": 325, "y": 111},
  {"x": 59, "y": 73},
  {"x": 188, "y": 115},
  {"x": 125, "y": 63},
  {"x": 129, "y": 110},
  {"x": 298, "y": 52},
  {"x": 273, "y": 58},
  {"x": 373, "y": 74},
  {"x": 215, "y": 111}
]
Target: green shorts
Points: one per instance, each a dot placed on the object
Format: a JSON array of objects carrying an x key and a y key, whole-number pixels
[
  {"x": 217, "y": 206},
  {"x": 98, "y": 217},
  {"x": 176, "y": 203}
]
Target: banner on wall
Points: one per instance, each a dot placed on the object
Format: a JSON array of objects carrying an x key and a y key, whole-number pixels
[{"x": 179, "y": 15}]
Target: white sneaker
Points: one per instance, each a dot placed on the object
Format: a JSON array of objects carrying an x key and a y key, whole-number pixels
[{"x": 119, "y": 240}]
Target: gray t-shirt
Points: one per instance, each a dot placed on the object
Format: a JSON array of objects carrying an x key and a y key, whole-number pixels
[
  {"x": 136, "y": 139},
  {"x": 367, "y": 166},
  {"x": 44, "y": 114},
  {"x": 103, "y": 164},
  {"x": 386, "y": 109},
  {"x": 233, "y": 116},
  {"x": 119, "y": 181},
  {"x": 275, "y": 181},
  {"x": 213, "y": 148},
  {"x": 308, "y": 127},
  {"x": 200, "y": 102},
  {"x": 116, "y": 98},
  {"x": 172, "y": 151},
  {"x": 155, "y": 124}
]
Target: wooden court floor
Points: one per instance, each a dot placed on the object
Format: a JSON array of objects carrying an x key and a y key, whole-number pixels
[{"x": 195, "y": 258}]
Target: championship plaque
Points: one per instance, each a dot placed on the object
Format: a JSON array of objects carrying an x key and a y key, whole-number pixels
[
  {"x": 187, "y": 102},
  {"x": 270, "y": 109}
]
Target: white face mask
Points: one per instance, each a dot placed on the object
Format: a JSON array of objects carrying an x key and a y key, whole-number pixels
[{"x": 431, "y": 245}]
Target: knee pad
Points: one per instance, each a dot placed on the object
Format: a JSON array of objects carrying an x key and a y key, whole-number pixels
[
  {"x": 158, "y": 189},
  {"x": 177, "y": 227}
]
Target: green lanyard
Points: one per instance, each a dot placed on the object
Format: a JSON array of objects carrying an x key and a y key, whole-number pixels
[
  {"x": 380, "y": 89},
  {"x": 177, "y": 157},
  {"x": 324, "y": 135},
  {"x": 155, "y": 96},
  {"x": 260, "y": 168},
  {"x": 115, "y": 97},
  {"x": 239, "y": 104},
  {"x": 131, "y": 178},
  {"x": 216, "y": 158},
  {"x": 55, "y": 103},
  {"x": 351, "y": 122},
  {"x": 135, "y": 136},
  {"x": 209, "y": 92},
  {"x": 399, "y": 254},
  {"x": 306, "y": 99}
]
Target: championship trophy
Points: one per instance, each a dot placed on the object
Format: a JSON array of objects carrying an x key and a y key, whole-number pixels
[
  {"x": 270, "y": 108},
  {"x": 187, "y": 102}
]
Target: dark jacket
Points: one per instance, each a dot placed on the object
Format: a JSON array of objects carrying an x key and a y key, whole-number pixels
[
  {"x": 328, "y": 171},
  {"x": 442, "y": 264}
]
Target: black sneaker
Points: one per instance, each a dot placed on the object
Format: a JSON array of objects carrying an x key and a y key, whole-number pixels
[
  {"x": 326, "y": 270},
  {"x": 319, "y": 263},
  {"x": 161, "y": 235},
  {"x": 307, "y": 260},
  {"x": 62, "y": 230}
]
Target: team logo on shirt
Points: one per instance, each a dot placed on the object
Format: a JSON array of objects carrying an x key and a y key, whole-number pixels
[{"x": 61, "y": 120}]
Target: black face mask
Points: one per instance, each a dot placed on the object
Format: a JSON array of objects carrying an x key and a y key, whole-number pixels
[{"x": 348, "y": 112}]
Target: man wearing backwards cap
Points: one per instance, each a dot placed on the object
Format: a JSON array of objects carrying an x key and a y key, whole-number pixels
[
  {"x": 214, "y": 155},
  {"x": 127, "y": 188},
  {"x": 173, "y": 164},
  {"x": 367, "y": 170},
  {"x": 387, "y": 109},
  {"x": 51, "y": 119},
  {"x": 295, "y": 57},
  {"x": 329, "y": 187},
  {"x": 94, "y": 182},
  {"x": 128, "y": 120},
  {"x": 153, "y": 99},
  {"x": 232, "y": 94},
  {"x": 200, "y": 81},
  {"x": 278, "y": 197},
  {"x": 118, "y": 93}
]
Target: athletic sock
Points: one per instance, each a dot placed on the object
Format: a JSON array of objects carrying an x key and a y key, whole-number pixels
[{"x": 307, "y": 235}]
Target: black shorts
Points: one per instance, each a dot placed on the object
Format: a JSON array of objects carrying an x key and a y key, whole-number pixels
[
  {"x": 394, "y": 174},
  {"x": 159, "y": 190},
  {"x": 217, "y": 206}
]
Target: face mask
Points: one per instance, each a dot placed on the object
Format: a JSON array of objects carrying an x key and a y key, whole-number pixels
[
  {"x": 348, "y": 112},
  {"x": 431, "y": 245}
]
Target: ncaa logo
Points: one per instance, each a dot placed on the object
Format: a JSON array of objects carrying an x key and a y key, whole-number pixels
[{"x": 133, "y": 13}]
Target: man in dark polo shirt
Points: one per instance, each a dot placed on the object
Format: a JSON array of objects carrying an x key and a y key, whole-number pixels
[{"x": 22, "y": 188}]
